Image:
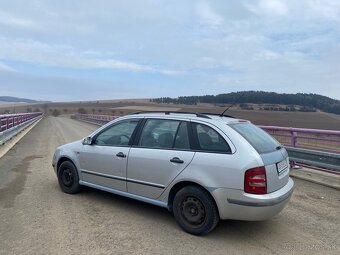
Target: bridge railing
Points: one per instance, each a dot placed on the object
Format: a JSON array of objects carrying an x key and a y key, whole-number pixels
[
  {"x": 315, "y": 139},
  {"x": 8, "y": 121},
  {"x": 101, "y": 119},
  {"x": 312, "y": 147}
]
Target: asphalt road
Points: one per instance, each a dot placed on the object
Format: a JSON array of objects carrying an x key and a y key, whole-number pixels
[{"x": 37, "y": 218}]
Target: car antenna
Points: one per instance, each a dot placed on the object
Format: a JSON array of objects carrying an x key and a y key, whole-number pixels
[{"x": 232, "y": 104}]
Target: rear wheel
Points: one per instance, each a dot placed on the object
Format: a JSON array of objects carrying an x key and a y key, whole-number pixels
[
  {"x": 68, "y": 178},
  {"x": 195, "y": 210}
]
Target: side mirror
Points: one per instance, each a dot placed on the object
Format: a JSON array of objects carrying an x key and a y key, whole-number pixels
[{"x": 87, "y": 140}]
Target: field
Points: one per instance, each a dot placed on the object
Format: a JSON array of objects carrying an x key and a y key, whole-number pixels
[{"x": 318, "y": 120}]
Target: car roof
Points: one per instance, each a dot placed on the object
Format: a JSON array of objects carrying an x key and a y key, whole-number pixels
[{"x": 207, "y": 117}]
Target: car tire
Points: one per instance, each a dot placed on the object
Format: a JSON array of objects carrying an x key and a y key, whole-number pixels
[
  {"x": 68, "y": 178},
  {"x": 195, "y": 210}
]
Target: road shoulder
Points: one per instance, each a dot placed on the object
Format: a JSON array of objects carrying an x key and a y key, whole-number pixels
[{"x": 315, "y": 176}]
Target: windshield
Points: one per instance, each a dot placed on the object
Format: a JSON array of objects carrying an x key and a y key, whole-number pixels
[{"x": 258, "y": 138}]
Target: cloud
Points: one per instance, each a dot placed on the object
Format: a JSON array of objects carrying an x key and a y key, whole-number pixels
[
  {"x": 325, "y": 9},
  {"x": 63, "y": 88},
  {"x": 269, "y": 7},
  {"x": 174, "y": 47},
  {"x": 64, "y": 56},
  {"x": 5, "y": 67},
  {"x": 208, "y": 15},
  {"x": 12, "y": 21},
  {"x": 79, "y": 62}
]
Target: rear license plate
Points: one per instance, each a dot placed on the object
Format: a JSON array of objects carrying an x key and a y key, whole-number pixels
[{"x": 281, "y": 166}]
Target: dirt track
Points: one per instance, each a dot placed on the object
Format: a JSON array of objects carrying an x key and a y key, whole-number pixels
[{"x": 37, "y": 218}]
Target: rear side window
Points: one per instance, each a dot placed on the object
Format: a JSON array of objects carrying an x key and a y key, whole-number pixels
[
  {"x": 209, "y": 140},
  {"x": 165, "y": 134},
  {"x": 258, "y": 138}
]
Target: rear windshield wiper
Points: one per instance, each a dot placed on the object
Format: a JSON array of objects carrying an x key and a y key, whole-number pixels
[{"x": 278, "y": 147}]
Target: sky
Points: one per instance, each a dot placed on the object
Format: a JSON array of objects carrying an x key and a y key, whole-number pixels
[{"x": 70, "y": 50}]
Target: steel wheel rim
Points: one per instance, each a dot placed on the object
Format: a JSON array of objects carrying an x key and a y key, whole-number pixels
[
  {"x": 67, "y": 177},
  {"x": 193, "y": 211}
]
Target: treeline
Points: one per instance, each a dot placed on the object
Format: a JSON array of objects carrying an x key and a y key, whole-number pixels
[{"x": 308, "y": 102}]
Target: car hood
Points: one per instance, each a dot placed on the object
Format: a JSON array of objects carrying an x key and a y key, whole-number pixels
[{"x": 70, "y": 146}]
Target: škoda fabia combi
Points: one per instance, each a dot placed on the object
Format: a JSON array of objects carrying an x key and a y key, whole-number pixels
[{"x": 202, "y": 167}]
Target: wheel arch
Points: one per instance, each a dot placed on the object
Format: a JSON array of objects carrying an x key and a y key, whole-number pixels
[
  {"x": 174, "y": 189},
  {"x": 62, "y": 160}
]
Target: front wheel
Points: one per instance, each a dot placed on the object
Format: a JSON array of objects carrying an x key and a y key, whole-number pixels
[
  {"x": 195, "y": 210},
  {"x": 68, "y": 178}
]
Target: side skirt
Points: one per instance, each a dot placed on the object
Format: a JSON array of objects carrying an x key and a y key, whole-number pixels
[{"x": 126, "y": 194}]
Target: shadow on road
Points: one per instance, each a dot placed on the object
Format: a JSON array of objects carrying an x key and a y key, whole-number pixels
[{"x": 226, "y": 228}]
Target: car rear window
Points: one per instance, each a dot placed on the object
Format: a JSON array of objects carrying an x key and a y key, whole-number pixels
[{"x": 258, "y": 138}]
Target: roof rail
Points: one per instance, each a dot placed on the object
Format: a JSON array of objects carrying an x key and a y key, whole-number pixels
[
  {"x": 201, "y": 115},
  {"x": 218, "y": 114}
]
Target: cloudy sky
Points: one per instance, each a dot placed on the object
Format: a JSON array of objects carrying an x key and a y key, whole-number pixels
[{"x": 93, "y": 49}]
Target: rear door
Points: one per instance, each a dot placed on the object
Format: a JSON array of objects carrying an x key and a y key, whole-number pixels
[
  {"x": 274, "y": 156},
  {"x": 160, "y": 154}
]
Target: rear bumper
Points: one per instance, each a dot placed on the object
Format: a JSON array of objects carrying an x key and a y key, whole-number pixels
[{"x": 238, "y": 205}]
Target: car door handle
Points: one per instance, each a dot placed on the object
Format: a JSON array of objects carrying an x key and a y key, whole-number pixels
[
  {"x": 121, "y": 155},
  {"x": 176, "y": 160}
]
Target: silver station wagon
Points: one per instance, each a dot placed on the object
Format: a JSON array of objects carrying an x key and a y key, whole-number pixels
[{"x": 202, "y": 167}]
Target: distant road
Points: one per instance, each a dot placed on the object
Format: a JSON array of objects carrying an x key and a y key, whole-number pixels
[{"x": 37, "y": 218}]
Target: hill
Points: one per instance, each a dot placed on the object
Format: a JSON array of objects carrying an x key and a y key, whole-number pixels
[
  {"x": 308, "y": 102},
  {"x": 9, "y": 99}
]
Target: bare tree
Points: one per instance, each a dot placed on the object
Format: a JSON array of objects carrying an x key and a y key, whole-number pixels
[
  {"x": 82, "y": 111},
  {"x": 56, "y": 112}
]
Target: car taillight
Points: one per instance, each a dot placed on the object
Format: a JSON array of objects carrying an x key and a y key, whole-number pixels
[{"x": 255, "y": 181}]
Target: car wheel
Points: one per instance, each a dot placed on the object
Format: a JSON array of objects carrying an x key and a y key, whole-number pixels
[
  {"x": 195, "y": 210},
  {"x": 68, "y": 178}
]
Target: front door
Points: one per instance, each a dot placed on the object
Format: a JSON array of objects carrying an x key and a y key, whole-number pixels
[{"x": 104, "y": 162}]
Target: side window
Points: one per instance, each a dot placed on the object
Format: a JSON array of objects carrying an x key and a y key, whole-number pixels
[
  {"x": 209, "y": 139},
  {"x": 165, "y": 134},
  {"x": 117, "y": 135},
  {"x": 182, "y": 137}
]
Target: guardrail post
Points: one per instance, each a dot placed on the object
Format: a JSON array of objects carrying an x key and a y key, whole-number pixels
[{"x": 293, "y": 138}]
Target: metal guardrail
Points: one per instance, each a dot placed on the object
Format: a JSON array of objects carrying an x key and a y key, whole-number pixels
[
  {"x": 313, "y": 147},
  {"x": 11, "y": 124},
  {"x": 320, "y": 159}
]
